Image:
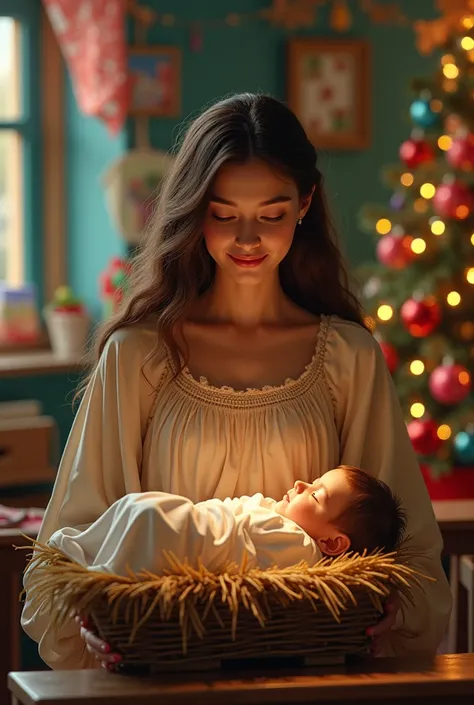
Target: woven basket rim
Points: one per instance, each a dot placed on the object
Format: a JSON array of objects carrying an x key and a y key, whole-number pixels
[{"x": 59, "y": 584}]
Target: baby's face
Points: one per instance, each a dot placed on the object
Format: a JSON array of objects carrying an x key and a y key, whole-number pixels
[{"x": 315, "y": 507}]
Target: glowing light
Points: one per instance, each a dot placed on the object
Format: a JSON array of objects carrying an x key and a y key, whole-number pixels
[
  {"x": 464, "y": 378},
  {"x": 436, "y": 105},
  {"x": 445, "y": 142},
  {"x": 467, "y": 43},
  {"x": 384, "y": 312},
  {"x": 447, "y": 59},
  {"x": 417, "y": 410},
  {"x": 427, "y": 190},
  {"x": 418, "y": 245},
  {"x": 383, "y": 226},
  {"x": 417, "y": 367},
  {"x": 450, "y": 71},
  {"x": 444, "y": 432},
  {"x": 420, "y": 205},
  {"x": 453, "y": 298},
  {"x": 462, "y": 212},
  {"x": 407, "y": 179},
  {"x": 470, "y": 275},
  {"x": 467, "y": 22},
  {"x": 472, "y": 239},
  {"x": 438, "y": 227},
  {"x": 450, "y": 86}
]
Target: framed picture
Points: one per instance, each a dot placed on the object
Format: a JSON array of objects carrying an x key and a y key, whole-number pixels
[
  {"x": 329, "y": 90},
  {"x": 155, "y": 73}
]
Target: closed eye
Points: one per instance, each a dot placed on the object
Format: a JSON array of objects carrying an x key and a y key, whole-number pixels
[
  {"x": 313, "y": 495},
  {"x": 222, "y": 219},
  {"x": 273, "y": 220}
]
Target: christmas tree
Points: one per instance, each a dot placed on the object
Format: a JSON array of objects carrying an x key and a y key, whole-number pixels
[{"x": 419, "y": 296}]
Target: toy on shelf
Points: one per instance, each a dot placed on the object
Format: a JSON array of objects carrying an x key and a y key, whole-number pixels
[
  {"x": 67, "y": 321},
  {"x": 19, "y": 317},
  {"x": 113, "y": 283}
]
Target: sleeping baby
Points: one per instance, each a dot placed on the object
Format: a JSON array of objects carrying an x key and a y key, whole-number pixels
[{"x": 345, "y": 509}]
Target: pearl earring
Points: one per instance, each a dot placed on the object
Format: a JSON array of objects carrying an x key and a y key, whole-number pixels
[{"x": 300, "y": 221}]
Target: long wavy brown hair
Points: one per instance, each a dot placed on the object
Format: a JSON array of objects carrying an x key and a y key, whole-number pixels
[{"x": 174, "y": 268}]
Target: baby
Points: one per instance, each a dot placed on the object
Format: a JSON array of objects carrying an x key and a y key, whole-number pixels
[{"x": 345, "y": 509}]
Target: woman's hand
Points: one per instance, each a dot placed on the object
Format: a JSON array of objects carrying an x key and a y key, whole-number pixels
[
  {"x": 95, "y": 645},
  {"x": 379, "y": 632}
]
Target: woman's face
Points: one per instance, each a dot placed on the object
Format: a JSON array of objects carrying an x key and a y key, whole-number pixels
[{"x": 251, "y": 220}]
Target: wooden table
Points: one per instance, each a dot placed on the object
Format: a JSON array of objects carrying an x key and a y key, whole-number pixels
[
  {"x": 448, "y": 680},
  {"x": 456, "y": 522}
]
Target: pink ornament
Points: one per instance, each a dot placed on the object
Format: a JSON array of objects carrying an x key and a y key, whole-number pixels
[
  {"x": 424, "y": 437},
  {"x": 453, "y": 200},
  {"x": 394, "y": 251},
  {"x": 461, "y": 153},
  {"x": 450, "y": 384}
]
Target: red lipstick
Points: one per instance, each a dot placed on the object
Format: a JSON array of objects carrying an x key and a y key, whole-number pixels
[{"x": 248, "y": 261}]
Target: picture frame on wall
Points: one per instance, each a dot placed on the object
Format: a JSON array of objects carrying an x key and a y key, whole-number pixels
[
  {"x": 329, "y": 90},
  {"x": 155, "y": 73}
]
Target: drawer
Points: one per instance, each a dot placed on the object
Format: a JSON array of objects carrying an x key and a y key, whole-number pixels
[{"x": 26, "y": 451}]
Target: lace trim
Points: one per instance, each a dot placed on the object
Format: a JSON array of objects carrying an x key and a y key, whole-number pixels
[{"x": 291, "y": 387}]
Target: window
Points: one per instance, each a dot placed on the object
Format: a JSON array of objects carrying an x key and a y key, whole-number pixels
[{"x": 20, "y": 143}]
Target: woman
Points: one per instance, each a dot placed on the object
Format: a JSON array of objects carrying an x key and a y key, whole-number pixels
[{"x": 240, "y": 363}]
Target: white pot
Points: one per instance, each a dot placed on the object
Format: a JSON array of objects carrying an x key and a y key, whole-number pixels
[{"x": 68, "y": 332}]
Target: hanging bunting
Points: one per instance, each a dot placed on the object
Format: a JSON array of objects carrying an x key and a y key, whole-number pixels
[{"x": 91, "y": 34}]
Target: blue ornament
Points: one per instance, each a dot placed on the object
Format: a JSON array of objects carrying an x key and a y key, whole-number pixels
[
  {"x": 464, "y": 448},
  {"x": 397, "y": 201},
  {"x": 422, "y": 114}
]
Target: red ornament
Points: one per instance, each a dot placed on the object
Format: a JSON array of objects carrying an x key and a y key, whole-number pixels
[
  {"x": 461, "y": 153},
  {"x": 420, "y": 318},
  {"x": 390, "y": 354},
  {"x": 415, "y": 152},
  {"x": 394, "y": 251},
  {"x": 453, "y": 200},
  {"x": 424, "y": 437},
  {"x": 450, "y": 384}
]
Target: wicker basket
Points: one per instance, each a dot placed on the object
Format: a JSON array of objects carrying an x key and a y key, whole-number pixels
[{"x": 193, "y": 619}]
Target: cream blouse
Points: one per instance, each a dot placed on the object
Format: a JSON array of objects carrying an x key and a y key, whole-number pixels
[{"x": 139, "y": 428}]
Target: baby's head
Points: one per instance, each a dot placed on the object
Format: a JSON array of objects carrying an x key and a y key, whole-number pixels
[{"x": 346, "y": 509}]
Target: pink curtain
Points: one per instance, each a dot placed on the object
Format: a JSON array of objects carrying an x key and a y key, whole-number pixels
[{"x": 91, "y": 34}]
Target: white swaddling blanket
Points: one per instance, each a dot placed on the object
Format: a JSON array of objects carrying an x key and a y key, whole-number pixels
[{"x": 134, "y": 531}]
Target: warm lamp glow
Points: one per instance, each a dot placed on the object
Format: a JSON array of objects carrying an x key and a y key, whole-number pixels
[
  {"x": 417, "y": 410},
  {"x": 384, "y": 312},
  {"x": 383, "y": 226},
  {"x": 417, "y": 367},
  {"x": 450, "y": 71},
  {"x": 453, "y": 298}
]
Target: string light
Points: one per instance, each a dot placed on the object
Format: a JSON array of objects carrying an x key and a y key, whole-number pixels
[
  {"x": 470, "y": 275},
  {"x": 450, "y": 86},
  {"x": 444, "y": 432},
  {"x": 447, "y": 59},
  {"x": 467, "y": 22},
  {"x": 407, "y": 179},
  {"x": 417, "y": 410},
  {"x": 467, "y": 43},
  {"x": 462, "y": 212},
  {"x": 453, "y": 298},
  {"x": 383, "y": 226},
  {"x": 445, "y": 142},
  {"x": 420, "y": 205},
  {"x": 438, "y": 227},
  {"x": 464, "y": 378},
  {"x": 384, "y": 312},
  {"x": 418, "y": 246},
  {"x": 427, "y": 190},
  {"x": 472, "y": 239},
  {"x": 417, "y": 367},
  {"x": 436, "y": 105},
  {"x": 450, "y": 71}
]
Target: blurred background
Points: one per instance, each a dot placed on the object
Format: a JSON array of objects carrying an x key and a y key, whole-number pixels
[{"x": 94, "y": 96}]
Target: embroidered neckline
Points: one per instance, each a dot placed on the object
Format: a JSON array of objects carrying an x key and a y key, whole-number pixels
[{"x": 310, "y": 370}]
